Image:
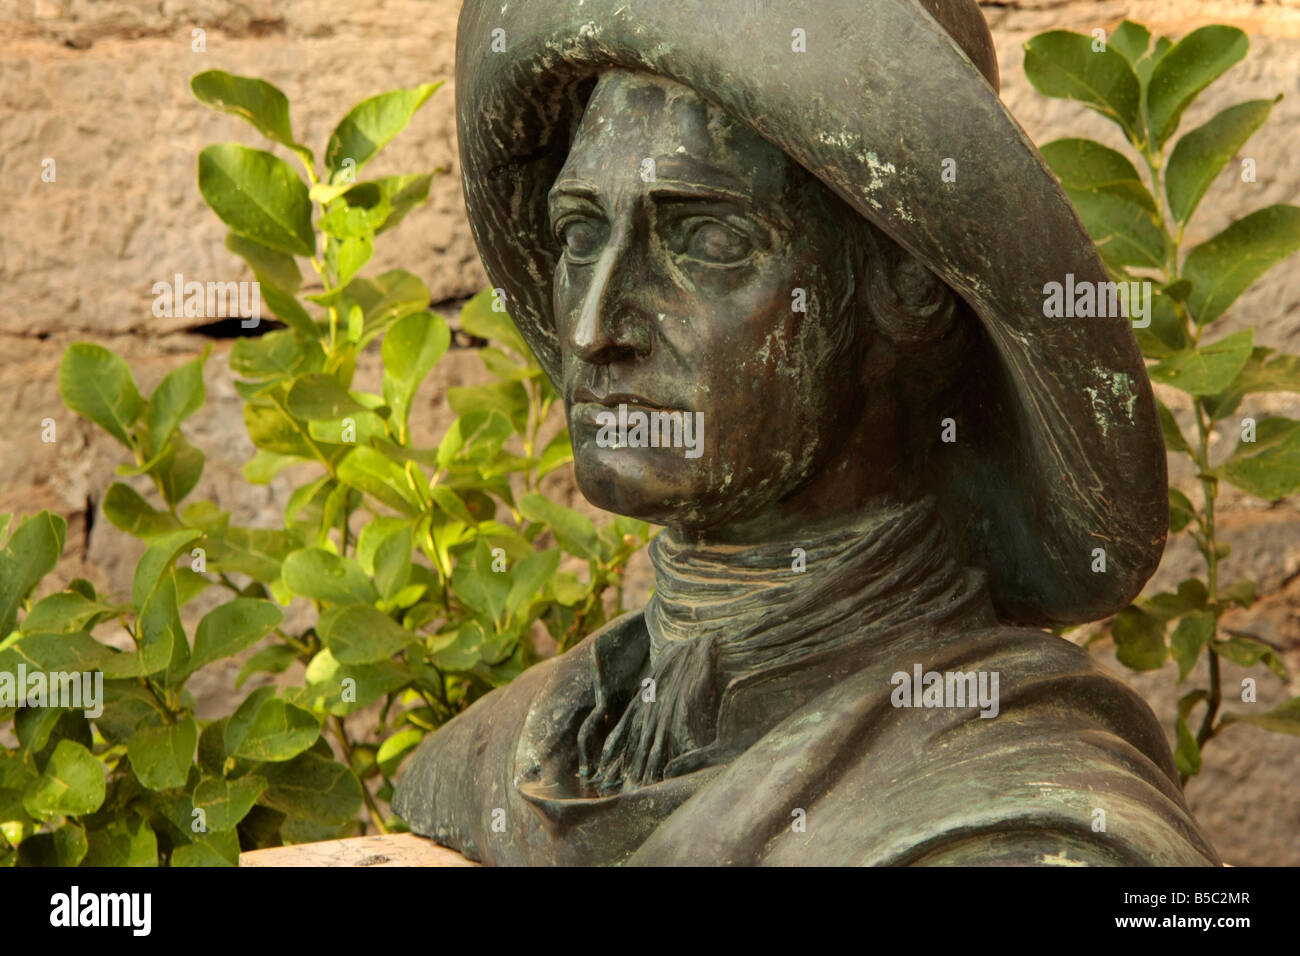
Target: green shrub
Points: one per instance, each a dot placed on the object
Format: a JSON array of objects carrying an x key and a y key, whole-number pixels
[
  {"x": 1138, "y": 226},
  {"x": 432, "y": 604}
]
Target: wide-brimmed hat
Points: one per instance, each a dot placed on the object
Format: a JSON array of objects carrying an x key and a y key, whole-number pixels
[{"x": 1059, "y": 450}]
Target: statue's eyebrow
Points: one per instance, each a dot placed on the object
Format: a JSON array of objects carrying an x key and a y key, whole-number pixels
[
  {"x": 695, "y": 190},
  {"x": 574, "y": 189}
]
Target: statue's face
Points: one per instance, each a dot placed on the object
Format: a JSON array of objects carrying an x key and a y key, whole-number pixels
[{"x": 702, "y": 272}]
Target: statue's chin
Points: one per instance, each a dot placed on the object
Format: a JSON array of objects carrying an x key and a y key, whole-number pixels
[{"x": 658, "y": 485}]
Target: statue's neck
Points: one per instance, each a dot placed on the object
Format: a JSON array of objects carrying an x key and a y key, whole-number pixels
[
  {"x": 724, "y": 611},
  {"x": 794, "y": 594}
]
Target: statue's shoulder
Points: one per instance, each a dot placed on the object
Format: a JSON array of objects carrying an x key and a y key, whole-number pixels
[
  {"x": 995, "y": 745},
  {"x": 1056, "y": 761},
  {"x": 471, "y": 758}
]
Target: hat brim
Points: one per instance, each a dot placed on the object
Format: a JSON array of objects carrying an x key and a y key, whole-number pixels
[{"x": 1062, "y": 451}]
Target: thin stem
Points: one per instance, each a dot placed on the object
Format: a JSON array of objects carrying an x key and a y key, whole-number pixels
[
  {"x": 300, "y": 646},
  {"x": 1208, "y": 729},
  {"x": 372, "y": 808},
  {"x": 1210, "y": 487},
  {"x": 306, "y": 436}
]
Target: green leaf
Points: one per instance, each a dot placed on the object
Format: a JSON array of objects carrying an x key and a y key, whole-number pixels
[
  {"x": 178, "y": 470},
  {"x": 508, "y": 398},
  {"x": 226, "y": 802},
  {"x": 359, "y": 213},
  {"x": 1242, "y": 593},
  {"x": 66, "y": 846},
  {"x": 1195, "y": 62},
  {"x": 1283, "y": 720},
  {"x": 479, "y": 318},
  {"x": 1146, "y": 66},
  {"x": 1181, "y": 511},
  {"x": 1124, "y": 232},
  {"x": 1088, "y": 166},
  {"x": 127, "y": 705},
  {"x": 450, "y": 503},
  {"x": 271, "y": 429},
  {"x": 65, "y": 612},
  {"x": 362, "y": 634},
  {"x": 1209, "y": 369},
  {"x": 163, "y": 644},
  {"x": 31, "y": 553},
  {"x": 1267, "y": 372},
  {"x": 161, "y": 756},
  {"x": 271, "y": 266},
  {"x": 259, "y": 196},
  {"x": 1174, "y": 440},
  {"x": 404, "y": 193},
  {"x": 268, "y": 728},
  {"x": 1187, "y": 755},
  {"x": 324, "y": 576},
  {"x": 1202, "y": 154},
  {"x": 128, "y": 512},
  {"x": 97, "y": 384},
  {"x": 1268, "y": 467},
  {"x": 475, "y": 437},
  {"x": 1247, "y": 651},
  {"x": 178, "y": 396},
  {"x": 69, "y": 652},
  {"x": 478, "y": 585},
  {"x": 1139, "y": 640},
  {"x": 374, "y": 534},
  {"x": 257, "y": 552},
  {"x": 1063, "y": 65},
  {"x": 270, "y": 660},
  {"x": 1224, "y": 267},
  {"x": 557, "y": 454},
  {"x": 393, "y": 562},
  {"x": 342, "y": 689},
  {"x": 1167, "y": 332},
  {"x": 345, "y": 257},
  {"x": 124, "y": 842},
  {"x": 73, "y": 783},
  {"x": 275, "y": 355},
  {"x": 320, "y": 397},
  {"x": 159, "y": 558},
  {"x": 411, "y": 348},
  {"x": 468, "y": 647},
  {"x": 506, "y": 367},
  {"x": 383, "y": 300},
  {"x": 1130, "y": 40},
  {"x": 572, "y": 529},
  {"x": 256, "y": 101},
  {"x": 233, "y": 627},
  {"x": 372, "y": 473},
  {"x": 395, "y": 748},
  {"x": 371, "y": 124},
  {"x": 214, "y": 848},
  {"x": 1192, "y": 596},
  {"x": 313, "y": 788},
  {"x": 529, "y": 577},
  {"x": 1189, "y": 636}
]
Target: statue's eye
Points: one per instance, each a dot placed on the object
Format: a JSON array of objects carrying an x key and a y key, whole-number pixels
[
  {"x": 710, "y": 241},
  {"x": 581, "y": 238}
]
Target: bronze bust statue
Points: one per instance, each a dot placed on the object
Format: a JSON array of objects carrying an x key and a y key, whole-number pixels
[{"x": 901, "y": 468}]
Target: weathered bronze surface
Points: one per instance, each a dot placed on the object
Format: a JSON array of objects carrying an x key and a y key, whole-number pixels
[{"x": 898, "y": 465}]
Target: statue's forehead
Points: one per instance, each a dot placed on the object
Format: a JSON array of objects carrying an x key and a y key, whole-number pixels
[{"x": 656, "y": 118}]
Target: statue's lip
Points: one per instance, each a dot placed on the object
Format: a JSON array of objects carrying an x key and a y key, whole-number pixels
[
  {"x": 584, "y": 395},
  {"x": 590, "y": 413}
]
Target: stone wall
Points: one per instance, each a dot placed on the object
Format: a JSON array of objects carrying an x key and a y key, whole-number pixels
[{"x": 102, "y": 89}]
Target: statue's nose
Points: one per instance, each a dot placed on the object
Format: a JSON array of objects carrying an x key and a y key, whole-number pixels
[{"x": 611, "y": 324}]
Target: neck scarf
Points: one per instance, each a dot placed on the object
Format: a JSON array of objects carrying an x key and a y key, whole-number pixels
[{"x": 723, "y": 611}]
